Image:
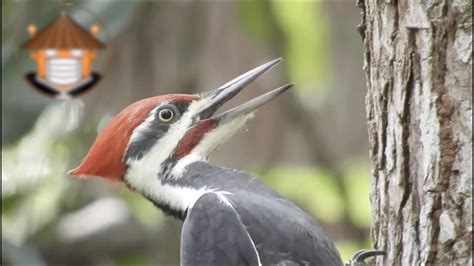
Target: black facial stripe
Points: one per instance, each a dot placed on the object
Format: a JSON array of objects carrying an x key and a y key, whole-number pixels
[
  {"x": 156, "y": 130},
  {"x": 166, "y": 168}
]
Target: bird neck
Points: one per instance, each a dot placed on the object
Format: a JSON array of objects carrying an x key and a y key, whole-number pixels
[{"x": 174, "y": 194}]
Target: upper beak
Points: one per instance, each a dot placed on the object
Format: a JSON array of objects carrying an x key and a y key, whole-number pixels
[{"x": 216, "y": 98}]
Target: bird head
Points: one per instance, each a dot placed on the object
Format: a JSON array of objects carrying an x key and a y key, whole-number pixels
[{"x": 160, "y": 136}]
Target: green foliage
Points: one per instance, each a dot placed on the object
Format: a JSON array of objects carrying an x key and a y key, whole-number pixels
[
  {"x": 347, "y": 248},
  {"x": 33, "y": 171},
  {"x": 304, "y": 30},
  {"x": 11, "y": 202},
  {"x": 356, "y": 180},
  {"x": 141, "y": 208},
  {"x": 131, "y": 260},
  {"x": 311, "y": 188},
  {"x": 255, "y": 19}
]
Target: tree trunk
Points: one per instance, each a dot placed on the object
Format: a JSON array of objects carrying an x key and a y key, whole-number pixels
[{"x": 418, "y": 67}]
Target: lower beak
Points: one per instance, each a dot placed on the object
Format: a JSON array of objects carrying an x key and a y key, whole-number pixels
[{"x": 216, "y": 98}]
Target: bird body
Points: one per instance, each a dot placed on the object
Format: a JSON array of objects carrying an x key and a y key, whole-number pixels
[
  {"x": 159, "y": 147},
  {"x": 279, "y": 231}
]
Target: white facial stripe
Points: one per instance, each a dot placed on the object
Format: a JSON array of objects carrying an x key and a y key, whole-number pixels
[
  {"x": 177, "y": 198},
  {"x": 180, "y": 198},
  {"x": 142, "y": 173},
  {"x": 180, "y": 167},
  {"x": 178, "y": 129}
]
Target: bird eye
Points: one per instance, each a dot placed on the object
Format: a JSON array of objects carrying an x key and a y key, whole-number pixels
[{"x": 166, "y": 115}]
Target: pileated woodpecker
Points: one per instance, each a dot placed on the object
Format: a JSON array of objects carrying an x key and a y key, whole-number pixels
[{"x": 159, "y": 147}]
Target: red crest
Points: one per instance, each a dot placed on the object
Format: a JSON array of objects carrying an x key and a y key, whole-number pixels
[{"x": 105, "y": 156}]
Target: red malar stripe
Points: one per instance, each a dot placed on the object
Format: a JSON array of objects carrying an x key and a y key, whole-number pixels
[{"x": 192, "y": 137}]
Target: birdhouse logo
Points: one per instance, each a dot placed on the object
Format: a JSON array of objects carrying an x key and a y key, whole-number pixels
[{"x": 63, "y": 52}]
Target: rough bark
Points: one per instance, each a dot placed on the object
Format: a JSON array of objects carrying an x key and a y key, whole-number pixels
[{"x": 418, "y": 63}]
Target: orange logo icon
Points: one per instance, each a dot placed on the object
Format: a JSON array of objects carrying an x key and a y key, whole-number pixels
[{"x": 63, "y": 53}]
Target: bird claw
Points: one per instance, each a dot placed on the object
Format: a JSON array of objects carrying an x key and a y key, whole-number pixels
[{"x": 358, "y": 259}]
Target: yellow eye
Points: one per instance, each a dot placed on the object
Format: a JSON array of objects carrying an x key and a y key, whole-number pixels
[{"x": 166, "y": 115}]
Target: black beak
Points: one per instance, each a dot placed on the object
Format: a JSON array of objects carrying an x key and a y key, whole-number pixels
[{"x": 224, "y": 93}]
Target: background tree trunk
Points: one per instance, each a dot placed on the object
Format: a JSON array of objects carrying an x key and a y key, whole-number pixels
[{"x": 418, "y": 63}]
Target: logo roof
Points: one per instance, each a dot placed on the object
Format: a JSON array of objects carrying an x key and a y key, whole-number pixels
[{"x": 63, "y": 33}]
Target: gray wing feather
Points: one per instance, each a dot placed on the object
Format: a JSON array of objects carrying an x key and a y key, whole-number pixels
[{"x": 213, "y": 234}]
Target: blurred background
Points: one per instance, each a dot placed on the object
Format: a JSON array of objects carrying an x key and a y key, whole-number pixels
[{"x": 310, "y": 144}]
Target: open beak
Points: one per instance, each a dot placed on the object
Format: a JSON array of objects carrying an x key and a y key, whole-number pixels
[{"x": 216, "y": 98}]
